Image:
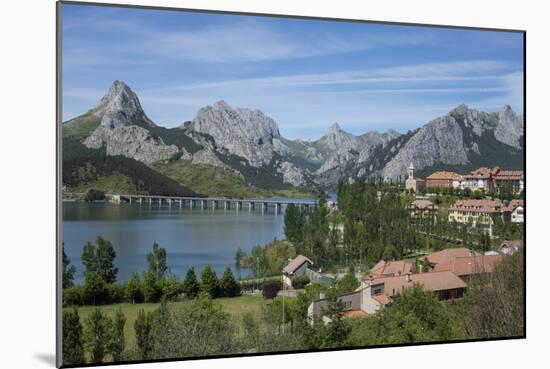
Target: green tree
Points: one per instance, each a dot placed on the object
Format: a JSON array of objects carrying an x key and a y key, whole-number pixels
[
  {"x": 228, "y": 286},
  {"x": 172, "y": 287},
  {"x": 97, "y": 335},
  {"x": 68, "y": 270},
  {"x": 209, "y": 282},
  {"x": 348, "y": 283},
  {"x": 239, "y": 256},
  {"x": 416, "y": 315},
  {"x": 99, "y": 258},
  {"x": 73, "y": 345},
  {"x": 144, "y": 339},
  {"x": 494, "y": 304},
  {"x": 134, "y": 289},
  {"x": 152, "y": 287},
  {"x": 94, "y": 291},
  {"x": 294, "y": 223},
  {"x": 117, "y": 344},
  {"x": 191, "y": 286},
  {"x": 156, "y": 262}
]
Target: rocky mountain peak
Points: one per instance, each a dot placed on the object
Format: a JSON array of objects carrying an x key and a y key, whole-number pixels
[
  {"x": 244, "y": 132},
  {"x": 121, "y": 107},
  {"x": 334, "y": 128}
]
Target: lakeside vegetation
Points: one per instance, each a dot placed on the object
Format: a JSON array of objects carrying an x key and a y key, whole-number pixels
[
  {"x": 204, "y": 327},
  {"x": 155, "y": 315}
]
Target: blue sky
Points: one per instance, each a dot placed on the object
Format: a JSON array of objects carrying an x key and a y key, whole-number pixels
[{"x": 305, "y": 74}]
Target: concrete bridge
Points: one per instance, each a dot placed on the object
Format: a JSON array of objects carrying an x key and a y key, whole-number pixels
[{"x": 212, "y": 202}]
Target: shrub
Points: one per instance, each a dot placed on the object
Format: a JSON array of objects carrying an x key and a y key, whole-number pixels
[
  {"x": 229, "y": 287},
  {"x": 94, "y": 290},
  {"x": 72, "y": 296},
  {"x": 133, "y": 289},
  {"x": 271, "y": 288},
  {"x": 300, "y": 281},
  {"x": 116, "y": 293}
]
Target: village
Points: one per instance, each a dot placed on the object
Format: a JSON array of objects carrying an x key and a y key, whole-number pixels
[{"x": 448, "y": 273}]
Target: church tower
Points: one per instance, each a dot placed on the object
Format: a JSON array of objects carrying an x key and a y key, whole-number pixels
[{"x": 411, "y": 171}]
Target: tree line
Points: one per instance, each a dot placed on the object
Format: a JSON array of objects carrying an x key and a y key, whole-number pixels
[{"x": 101, "y": 286}]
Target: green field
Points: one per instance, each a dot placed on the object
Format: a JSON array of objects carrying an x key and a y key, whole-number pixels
[
  {"x": 216, "y": 181},
  {"x": 236, "y": 306}
]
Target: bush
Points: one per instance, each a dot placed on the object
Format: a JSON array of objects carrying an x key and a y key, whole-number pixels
[
  {"x": 72, "y": 296},
  {"x": 152, "y": 288},
  {"x": 115, "y": 293},
  {"x": 94, "y": 291},
  {"x": 300, "y": 281},
  {"x": 133, "y": 289},
  {"x": 228, "y": 286},
  {"x": 271, "y": 288}
]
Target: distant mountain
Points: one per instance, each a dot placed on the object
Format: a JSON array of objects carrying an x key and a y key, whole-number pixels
[
  {"x": 461, "y": 140},
  {"x": 248, "y": 143}
]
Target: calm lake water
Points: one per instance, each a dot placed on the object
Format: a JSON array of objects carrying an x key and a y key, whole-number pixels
[{"x": 191, "y": 237}]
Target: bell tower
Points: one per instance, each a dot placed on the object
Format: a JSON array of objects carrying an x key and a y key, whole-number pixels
[{"x": 410, "y": 170}]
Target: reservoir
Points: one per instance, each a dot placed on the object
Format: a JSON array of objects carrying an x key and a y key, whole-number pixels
[{"x": 191, "y": 237}]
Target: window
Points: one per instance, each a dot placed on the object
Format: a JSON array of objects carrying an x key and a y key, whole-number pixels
[{"x": 347, "y": 305}]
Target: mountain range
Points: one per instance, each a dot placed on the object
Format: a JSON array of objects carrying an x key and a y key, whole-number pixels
[{"x": 247, "y": 145}]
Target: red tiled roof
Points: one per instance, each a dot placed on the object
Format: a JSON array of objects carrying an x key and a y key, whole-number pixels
[
  {"x": 390, "y": 268},
  {"x": 475, "y": 265},
  {"x": 295, "y": 264},
  {"x": 382, "y": 298},
  {"x": 354, "y": 314},
  {"x": 433, "y": 281},
  {"x": 513, "y": 205},
  {"x": 448, "y": 255},
  {"x": 509, "y": 175},
  {"x": 444, "y": 175},
  {"x": 512, "y": 243},
  {"x": 478, "y": 206}
]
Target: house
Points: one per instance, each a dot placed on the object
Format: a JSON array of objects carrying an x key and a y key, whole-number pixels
[
  {"x": 448, "y": 255},
  {"x": 390, "y": 268},
  {"x": 482, "y": 213},
  {"x": 421, "y": 208},
  {"x": 479, "y": 179},
  {"x": 442, "y": 180},
  {"x": 510, "y": 246},
  {"x": 296, "y": 267},
  {"x": 513, "y": 213},
  {"x": 376, "y": 293},
  {"x": 509, "y": 179},
  {"x": 493, "y": 179},
  {"x": 412, "y": 183},
  {"x": 469, "y": 267}
]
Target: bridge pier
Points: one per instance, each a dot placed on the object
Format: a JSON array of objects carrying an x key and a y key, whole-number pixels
[
  {"x": 214, "y": 204},
  {"x": 227, "y": 205},
  {"x": 204, "y": 203},
  {"x": 278, "y": 208},
  {"x": 264, "y": 207},
  {"x": 251, "y": 206},
  {"x": 239, "y": 205}
]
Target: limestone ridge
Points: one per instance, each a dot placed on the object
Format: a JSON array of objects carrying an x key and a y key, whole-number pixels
[
  {"x": 243, "y": 132},
  {"x": 124, "y": 128},
  {"x": 463, "y": 136},
  {"x": 121, "y": 107},
  {"x": 249, "y": 142}
]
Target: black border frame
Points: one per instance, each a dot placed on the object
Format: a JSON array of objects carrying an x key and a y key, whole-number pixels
[{"x": 59, "y": 212}]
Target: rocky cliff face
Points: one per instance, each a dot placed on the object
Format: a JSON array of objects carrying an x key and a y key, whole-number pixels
[
  {"x": 463, "y": 136},
  {"x": 243, "y": 132},
  {"x": 510, "y": 127},
  {"x": 133, "y": 142},
  {"x": 121, "y": 107}
]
